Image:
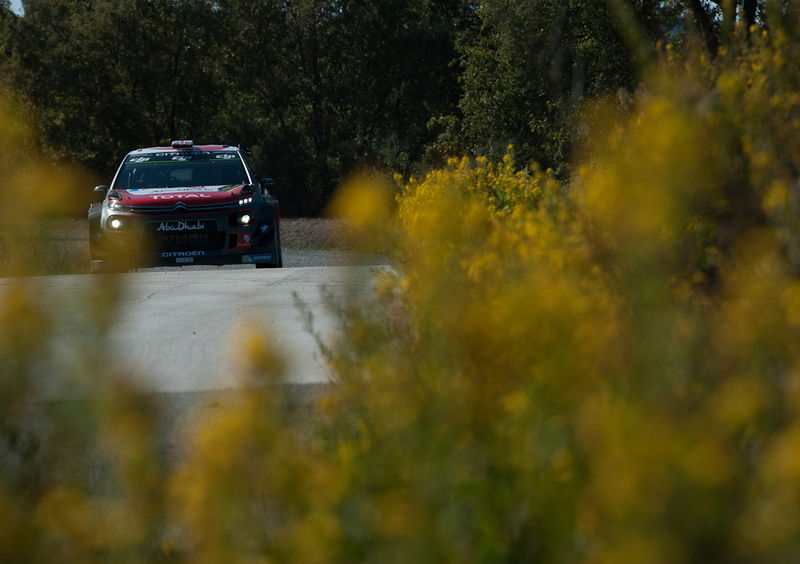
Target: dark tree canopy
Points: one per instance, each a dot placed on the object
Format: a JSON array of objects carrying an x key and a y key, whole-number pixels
[
  {"x": 314, "y": 88},
  {"x": 528, "y": 66},
  {"x": 318, "y": 88}
]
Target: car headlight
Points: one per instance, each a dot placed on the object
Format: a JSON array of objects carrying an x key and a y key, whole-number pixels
[
  {"x": 116, "y": 206},
  {"x": 245, "y": 201},
  {"x": 242, "y": 219},
  {"x": 118, "y": 223}
]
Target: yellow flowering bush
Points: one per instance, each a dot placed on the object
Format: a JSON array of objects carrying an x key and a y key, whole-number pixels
[{"x": 599, "y": 371}]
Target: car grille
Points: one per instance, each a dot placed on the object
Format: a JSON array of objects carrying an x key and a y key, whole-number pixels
[{"x": 181, "y": 207}]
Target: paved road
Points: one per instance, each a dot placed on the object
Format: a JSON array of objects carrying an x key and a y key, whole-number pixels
[
  {"x": 178, "y": 337},
  {"x": 183, "y": 330}
]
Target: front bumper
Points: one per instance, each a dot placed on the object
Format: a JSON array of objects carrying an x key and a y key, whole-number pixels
[{"x": 186, "y": 239}]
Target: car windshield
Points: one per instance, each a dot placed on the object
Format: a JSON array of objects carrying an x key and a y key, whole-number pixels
[{"x": 173, "y": 170}]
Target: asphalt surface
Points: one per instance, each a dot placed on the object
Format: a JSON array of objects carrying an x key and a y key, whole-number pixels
[
  {"x": 178, "y": 341},
  {"x": 192, "y": 329}
]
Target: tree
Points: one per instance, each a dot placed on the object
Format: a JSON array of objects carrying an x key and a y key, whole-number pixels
[
  {"x": 6, "y": 19},
  {"x": 529, "y": 65},
  {"x": 326, "y": 86},
  {"x": 315, "y": 87},
  {"x": 715, "y": 19},
  {"x": 105, "y": 75}
]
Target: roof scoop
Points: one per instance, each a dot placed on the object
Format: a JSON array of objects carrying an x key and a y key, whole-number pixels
[{"x": 183, "y": 144}]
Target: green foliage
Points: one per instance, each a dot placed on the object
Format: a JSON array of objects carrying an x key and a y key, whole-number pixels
[
  {"x": 108, "y": 76},
  {"x": 314, "y": 88},
  {"x": 318, "y": 88},
  {"x": 340, "y": 85},
  {"x": 530, "y": 65}
]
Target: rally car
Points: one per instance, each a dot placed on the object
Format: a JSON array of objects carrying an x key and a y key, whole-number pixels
[{"x": 185, "y": 204}]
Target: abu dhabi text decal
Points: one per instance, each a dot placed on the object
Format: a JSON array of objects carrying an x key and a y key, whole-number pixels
[{"x": 181, "y": 226}]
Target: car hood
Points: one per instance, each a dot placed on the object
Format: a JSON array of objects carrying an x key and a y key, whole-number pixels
[{"x": 188, "y": 195}]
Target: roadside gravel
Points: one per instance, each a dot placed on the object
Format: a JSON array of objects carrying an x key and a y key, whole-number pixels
[
  {"x": 319, "y": 242},
  {"x": 305, "y": 257}
]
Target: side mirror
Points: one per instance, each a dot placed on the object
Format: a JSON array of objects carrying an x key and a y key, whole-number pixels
[
  {"x": 99, "y": 192},
  {"x": 266, "y": 184}
]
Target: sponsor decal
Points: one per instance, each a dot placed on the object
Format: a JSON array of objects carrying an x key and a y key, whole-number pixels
[
  {"x": 244, "y": 240},
  {"x": 182, "y": 196},
  {"x": 176, "y": 190},
  {"x": 183, "y": 154},
  {"x": 181, "y": 226},
  {"x": 178, "y": 254},
  {"x": 256, "y": 258},
  {"x": 184, "y": 259}
]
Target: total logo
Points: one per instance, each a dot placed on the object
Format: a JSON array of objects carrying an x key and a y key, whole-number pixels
[
  {"x": 181, "y": 226},
  {"x": 171, "y": 196}
]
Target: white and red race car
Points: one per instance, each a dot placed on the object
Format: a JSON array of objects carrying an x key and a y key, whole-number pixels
[{"x": 185, "y": 204}]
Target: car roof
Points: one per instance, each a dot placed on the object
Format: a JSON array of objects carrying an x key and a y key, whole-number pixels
[{"x": 169, "y": 149}]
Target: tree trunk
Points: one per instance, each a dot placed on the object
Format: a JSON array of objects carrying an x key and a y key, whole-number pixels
[
  {"x": 704, "y": 24},
  {"x": 750, "y": 9}
]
